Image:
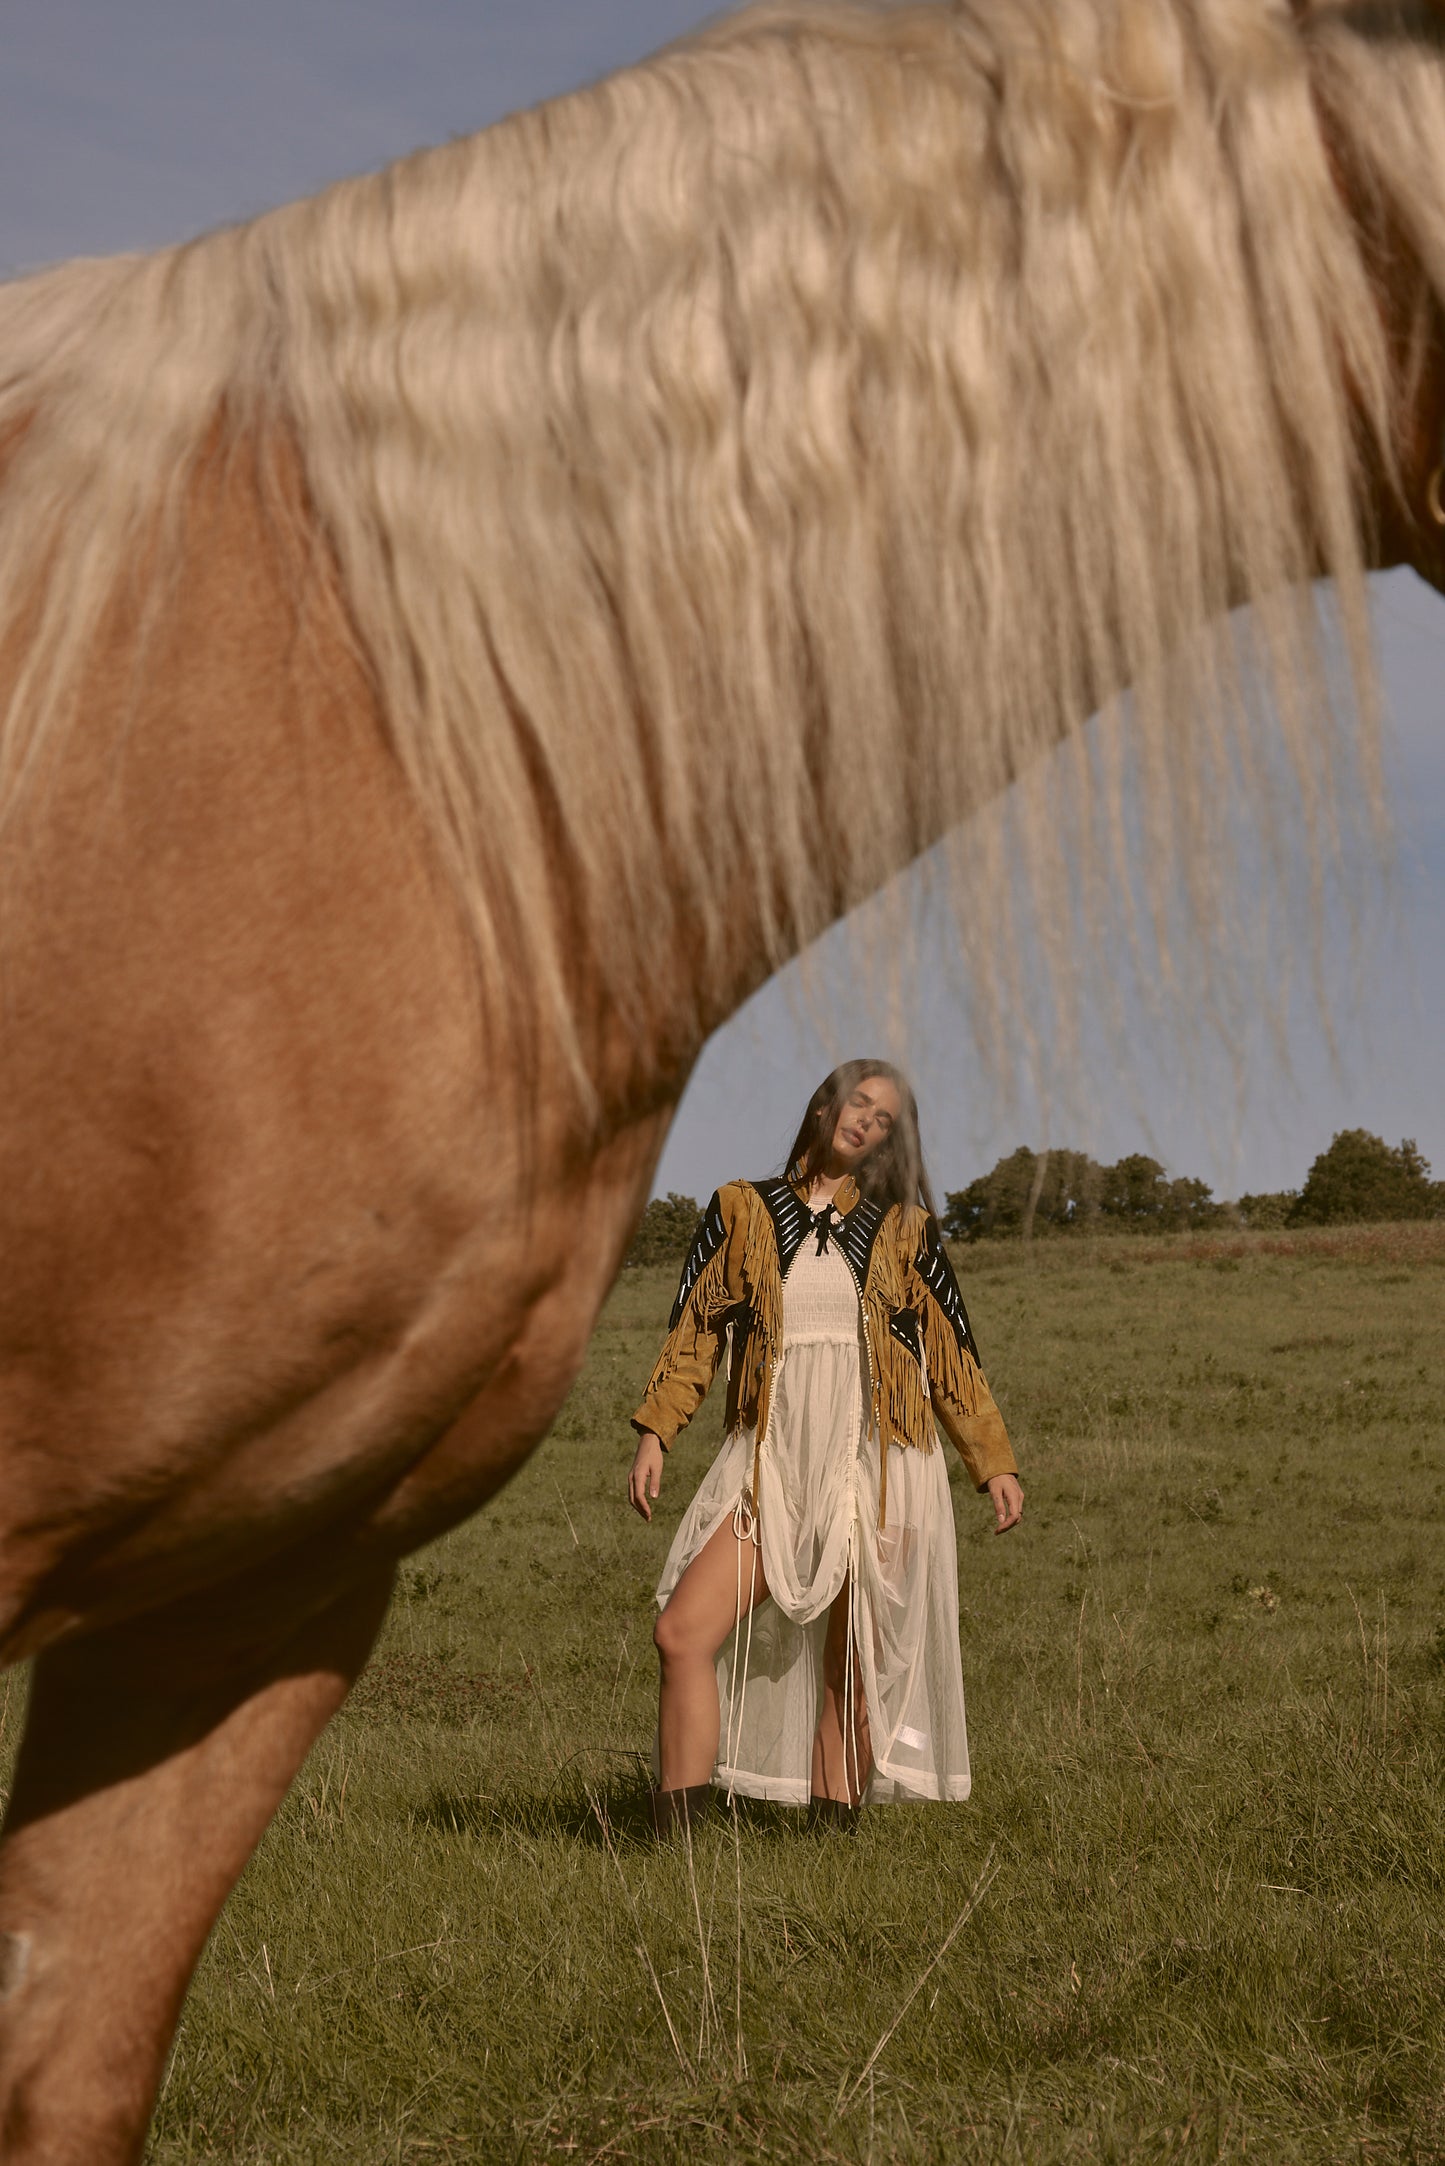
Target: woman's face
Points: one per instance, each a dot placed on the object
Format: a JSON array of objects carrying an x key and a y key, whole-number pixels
[{"x": 866, "y": 1120}]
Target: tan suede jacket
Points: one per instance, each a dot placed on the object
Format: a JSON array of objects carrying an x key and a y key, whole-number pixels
[{"x": 922, "y": 1361}]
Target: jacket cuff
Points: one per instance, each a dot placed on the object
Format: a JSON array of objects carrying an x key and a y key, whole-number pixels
[
  {"x": 985, "y": 1447},
  {"x": 651, "y": 1421}
]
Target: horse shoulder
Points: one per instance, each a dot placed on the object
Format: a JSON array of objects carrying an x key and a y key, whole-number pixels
[{"x": 263, "y": 1202}]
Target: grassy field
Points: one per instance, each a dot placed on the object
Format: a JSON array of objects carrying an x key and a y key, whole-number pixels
[{"x": 1195, "y": 1910}]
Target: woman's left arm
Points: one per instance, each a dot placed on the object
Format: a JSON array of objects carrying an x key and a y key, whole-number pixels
[{"x": 962, "y": 1401}]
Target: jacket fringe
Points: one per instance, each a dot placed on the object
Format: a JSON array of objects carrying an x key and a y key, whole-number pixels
[
  {"x": 709, "y": 1297},
  {"x": 701, "y": 1313},
  {"x": 954, "y": 1376},
  {"x": 909, "y": 1414},
  {"x": 760, "y": 1271}
]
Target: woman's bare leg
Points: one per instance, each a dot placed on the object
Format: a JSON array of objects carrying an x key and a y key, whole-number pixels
[
  {"x": 842, "y": 1758},
  {"x": 701, "y": 1611}
]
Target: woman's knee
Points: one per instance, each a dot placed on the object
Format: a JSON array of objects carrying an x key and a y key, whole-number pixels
[{"x": 674, "y": 1639}]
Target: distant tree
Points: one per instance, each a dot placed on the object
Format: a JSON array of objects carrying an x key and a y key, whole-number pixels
[
  {"x": 1189, "y": 1206},
  {"x": 995, "y": 1202},
  {"x": 1133, "y": 1190},
  {"x": 1137, "y": 1193},
  {"x": 966, "y": 1211},
  {"x": 1360, "y": 1177},
  {"x": 1070, "y": 1184},
  {"x": 1267, "y": 1211},
  {"x": 1070, "y": 1191},
  {"x": 1062, "y": 1185},
  {"x": 665, "y": 1230}
]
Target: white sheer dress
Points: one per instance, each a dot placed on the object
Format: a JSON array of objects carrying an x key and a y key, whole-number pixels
[{"x": 818, "y": 1528}]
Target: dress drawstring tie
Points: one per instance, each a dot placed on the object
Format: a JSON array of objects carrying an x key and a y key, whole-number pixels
[
  {"x": 850, "y": 1690},
  {"x": 746, "y": 1535}
]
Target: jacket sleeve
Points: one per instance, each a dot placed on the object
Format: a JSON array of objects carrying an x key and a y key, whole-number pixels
[
  {"x": 962, "y": 1401},
  {"x": 697, "y": 1330}
]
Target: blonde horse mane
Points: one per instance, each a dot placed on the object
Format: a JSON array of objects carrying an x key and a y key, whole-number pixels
[{"x": 741, "y": 470}]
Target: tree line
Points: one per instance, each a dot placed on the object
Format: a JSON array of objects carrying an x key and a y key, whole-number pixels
[
  {"x": 1358, "y": 1178},
  {"x": 1031, "y": 1194}
]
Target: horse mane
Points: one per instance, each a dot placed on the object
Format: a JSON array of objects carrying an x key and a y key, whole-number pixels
[{"x": 740, "y": 470}]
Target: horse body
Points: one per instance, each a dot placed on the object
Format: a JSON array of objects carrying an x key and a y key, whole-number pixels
[
  {"x": 375, "y": 865},
  {"x": 269, "y": 1220},
  {"x": 275, "y": 1305},
  {"x": 243, "y": 1149}
]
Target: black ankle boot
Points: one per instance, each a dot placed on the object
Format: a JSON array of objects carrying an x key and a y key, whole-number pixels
[
  {"x": 680, "y": 1808},
  {"x": 832, "y": 1813}
]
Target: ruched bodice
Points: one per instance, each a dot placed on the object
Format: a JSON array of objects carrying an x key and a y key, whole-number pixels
[{"x": 820, "y": 1299}]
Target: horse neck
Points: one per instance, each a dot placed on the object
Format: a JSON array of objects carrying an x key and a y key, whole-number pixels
[{"x": 766, "y": 456}]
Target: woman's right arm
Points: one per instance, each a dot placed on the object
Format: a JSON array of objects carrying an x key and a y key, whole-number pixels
[
  {"x": 690, "y": 1354},
  {"x": 645, "y": 1480}
]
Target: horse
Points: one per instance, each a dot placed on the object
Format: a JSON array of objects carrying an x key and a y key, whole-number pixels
[{"x": 459, "y": 635}]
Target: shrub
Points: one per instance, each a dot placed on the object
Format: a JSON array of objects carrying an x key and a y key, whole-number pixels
[
  {"x": 1268, "y": 1211},
  {"x": 1360, "y": 1177},
  {"x": 664, "y": 1232}
]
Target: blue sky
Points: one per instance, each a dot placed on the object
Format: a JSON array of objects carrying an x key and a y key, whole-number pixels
[{"x": 129, "y": 126}]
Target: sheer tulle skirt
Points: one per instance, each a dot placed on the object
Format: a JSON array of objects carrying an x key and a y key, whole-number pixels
[{"x": 818, "y": 1525}]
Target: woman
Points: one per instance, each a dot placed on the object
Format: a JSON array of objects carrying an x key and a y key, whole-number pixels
[{"x": 845, "y": 1335}]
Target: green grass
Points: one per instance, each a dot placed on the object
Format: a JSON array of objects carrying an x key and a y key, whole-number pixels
[{"x": 1206, "y": 1846}]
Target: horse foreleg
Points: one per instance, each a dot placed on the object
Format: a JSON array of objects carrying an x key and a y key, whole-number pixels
[{"x": 154, "y": 1755}]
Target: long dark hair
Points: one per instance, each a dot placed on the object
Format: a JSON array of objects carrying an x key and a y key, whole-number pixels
[{"x": 894, "y": 1172}]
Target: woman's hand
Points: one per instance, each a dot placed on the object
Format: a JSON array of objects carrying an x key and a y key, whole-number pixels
[
  {"x": 645, "y": 1480},
  {"x": 1008, "y": 1501}
]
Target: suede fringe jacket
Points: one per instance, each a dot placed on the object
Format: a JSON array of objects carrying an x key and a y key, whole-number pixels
[{"x": 922, "y": 1360}]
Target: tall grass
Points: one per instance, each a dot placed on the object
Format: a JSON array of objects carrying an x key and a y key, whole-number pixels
[{"x": 1195, "y": 1910}]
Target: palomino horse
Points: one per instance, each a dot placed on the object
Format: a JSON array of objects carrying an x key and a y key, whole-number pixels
[{"x": 457, "y": 636}]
